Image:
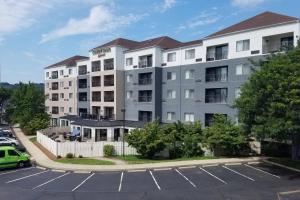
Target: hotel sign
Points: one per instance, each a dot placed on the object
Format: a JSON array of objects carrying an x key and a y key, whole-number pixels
[{"x": 101, "y": 51}]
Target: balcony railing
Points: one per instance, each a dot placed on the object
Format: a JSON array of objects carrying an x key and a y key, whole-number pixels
[
  {"x": 82, "y": 72},
  {"x": 109, "y": 82},
  {"x": 54, "y": 76},
  {"x": 145, "y": 98},
  {"x": 109, "y": 98},
  {"x": 84, "y": 98},
  {"x": 82, "y": 85},
  {"x": 145, "y": 81},
  {"x": 145, "y": 63},
  {"x": 216, "y": 77},
  {"x": 215, "y": 98},
  {"x": 108, "y": 66},
  {"x": 276, "y": 47},
  {"x": 96, "y": 84}
]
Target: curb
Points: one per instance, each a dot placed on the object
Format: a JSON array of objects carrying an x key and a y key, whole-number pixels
[{"x": 280, "y": 165}]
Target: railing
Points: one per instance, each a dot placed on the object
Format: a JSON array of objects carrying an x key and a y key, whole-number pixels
[
  {"x": 108, "y": 66},
  {"x": 216, "y": 77},
  {"x": 145, "y": 81},
  {"x": 54, "y": 111},
  {"x": 275, "y": 47},
  {"x": 108, "y": 98},
  {"x": 82, "y": 98},
  {"x": 54, "y": 77},
  {"x": 96, "y": 68},
  {"x": 215, "y": 98},
  {"x": 145, "y": 63},
  {"x": 109, "y": 82},
  {"x": 82, "y": 85},
  {"x": 82, "y": 72},
  {"x": 145, "y": 98},
  {"x": 96, "y": 83}
]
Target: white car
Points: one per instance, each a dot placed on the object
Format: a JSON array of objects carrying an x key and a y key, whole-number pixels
[{"x": 5, "y": 140}]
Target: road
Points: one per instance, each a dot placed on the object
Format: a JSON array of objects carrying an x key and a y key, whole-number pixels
[{"x": 230, "y": 182}]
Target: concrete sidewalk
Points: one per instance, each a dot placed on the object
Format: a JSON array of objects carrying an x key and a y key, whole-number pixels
[{"x": 42, "y": 160}]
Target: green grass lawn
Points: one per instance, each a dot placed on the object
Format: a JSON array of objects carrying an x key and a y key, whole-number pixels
[
  {"x": 287, "y": 162},
  {"x": 33, "y": 139},
  {"x": 84, "y": 161},
  {"x": 132, "y": 159}
]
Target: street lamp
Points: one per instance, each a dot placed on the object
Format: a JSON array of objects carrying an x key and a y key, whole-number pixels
[{"x": 123, "y": 139}]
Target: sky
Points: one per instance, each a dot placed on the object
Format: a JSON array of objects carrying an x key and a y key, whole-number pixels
[{"x": 37, "y": 33}]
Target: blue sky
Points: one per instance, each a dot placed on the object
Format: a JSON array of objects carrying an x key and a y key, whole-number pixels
[{"x": 37, "y": 33}]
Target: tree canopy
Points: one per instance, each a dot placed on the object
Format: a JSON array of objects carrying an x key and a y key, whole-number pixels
[{"x": 269, "y": 104}]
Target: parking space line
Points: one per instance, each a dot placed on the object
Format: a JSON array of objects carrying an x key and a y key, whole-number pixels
[
  {"x": 18, "y": 179},
  {"x": 187, "y": 167},
  {"x": 262, "y": 171},
  {"x": 90, "y": 176},
  {"x": 51, "y": 180},
  {"x": 213, "y": 175},
  {"x": 162, "y": 169},
  {"x": 9, "y": 172},
  {"x": 185, "y": 178},
  {"x": 236, "y": 172},
  {"x": 121, "y": 180},
  {"x": 156, "y": 183}
]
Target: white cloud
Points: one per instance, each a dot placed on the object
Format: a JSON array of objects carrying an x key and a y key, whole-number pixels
[
  {"x": 204, "y": 18},
  {"x": 246, "y": 3},
  {"x": 101, "y": 19},
  {"x": 165, "y": 5}
]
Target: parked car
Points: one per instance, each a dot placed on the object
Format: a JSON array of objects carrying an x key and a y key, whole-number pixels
[
  {"x": 6, "y": 134},
  {"x": 10, "y": 157},
  {"x": 7, "y": 140}
]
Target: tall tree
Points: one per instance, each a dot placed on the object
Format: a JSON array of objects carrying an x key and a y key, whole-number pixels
[
  {"x": 4, "y": 96},
  {"x": 269, "y": 104}
]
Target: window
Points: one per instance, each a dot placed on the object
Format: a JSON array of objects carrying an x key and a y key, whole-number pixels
[
  {"x": 242, "y": 69},
  {"x": 145, "y": 61},
  {"x": 61, "y": 72},
  {"x": 96, "y": 96},
  {"x": 170, "y": 116},
  {"x": 62, "y": 95},
  {"x": 96, "y": 81},
  {"x": 189, "y": 94},
  {"x": 189, "y": 54},
  {"x": 87, "y": 133},
  {"x": 129, "y": 78},
  {"x": 47, "y": 74},
  {"x": 54, "y": 86},
  {"x": 62, "y": 109},
  {"x": 109, "y": 64},
  {"x": 216, "y": 74},
  {"x": 70, "y": 71},
  {"x": 217, "y": 52},
  {"x": 82, "y": 96},
  {"x": 129, "y": 94},
  {"x": 82, "y": 70},
  {"x": 12, "y": 153},
  {"x": 70, "y": 83},
  {"x": 171, "y": 57},
  {"x": 189, "y": 74},
  {"x": 96, "y": 66},
  {"x": 237, "y": 92},
  {"x": 70, "y": 109},
  {"x": 189, "y": 117},
  {"x": 54, "y": 74},
  {"x": 242, "y": 45},
  {"x": 54, "y": 110},
  {"x": 54, "y": 97},
  {"x": 171, "y": 94},
  {"x": 216, "y": 95},
  {"x": 129, "y": 61},
  {"x": 109, "y": 80},
  {"x": 171, "y": 75},
  {"x": 2, "y": 154},
  {"x": 145, "y": 96},
  {"x": 70, "y": 95}
]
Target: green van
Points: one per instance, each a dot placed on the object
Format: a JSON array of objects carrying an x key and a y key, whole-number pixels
[{"x": 10, "y": 157}]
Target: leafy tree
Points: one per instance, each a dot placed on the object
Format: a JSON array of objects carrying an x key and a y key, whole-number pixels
[
  {"x": 4, "y": 96},
  {"x": 149, "y": 140},
  {"x": 269, "y": 104},
  {"x": 39, "y": 122},
  {"x": 223, "y": 135}
]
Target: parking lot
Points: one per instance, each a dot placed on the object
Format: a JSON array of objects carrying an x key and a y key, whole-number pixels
[{"x": 240, "y": 181}]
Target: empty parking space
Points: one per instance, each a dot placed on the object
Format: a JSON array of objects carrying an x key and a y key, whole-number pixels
[
  {"x": 18, "y": 173},
  {"x": 228, "y": 175},
  {"x": 200, "y": 178},
  {"x": 171, "y": 179},
  {"x": 138, "y": 181},
  {"x": 33, "y": 181},
  {"x": 66, "y": 183},
  {"x": 102, "y": 182}
]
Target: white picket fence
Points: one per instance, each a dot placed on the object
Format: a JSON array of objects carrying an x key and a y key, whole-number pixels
[{"x": 85, "y": 149}]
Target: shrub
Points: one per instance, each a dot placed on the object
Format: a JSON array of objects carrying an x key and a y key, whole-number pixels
[
  {"x": 80, "y": 156},
  {"x": 69, "y": 155},
  {"x": 108, "y": 150},
  {"x": 58, "y": 157}
]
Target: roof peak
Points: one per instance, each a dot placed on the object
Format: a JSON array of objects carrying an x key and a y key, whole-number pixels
[{"x": 71, "y": 61}]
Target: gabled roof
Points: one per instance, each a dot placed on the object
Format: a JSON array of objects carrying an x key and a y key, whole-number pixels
[
  {"x": 68, "y": 62},
  {"x": 164, "y": 42},
  {"x": 258, "y": 21},
  {"x": 120, "y": 42}
]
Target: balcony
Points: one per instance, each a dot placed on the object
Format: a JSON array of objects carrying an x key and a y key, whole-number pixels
[
  {"x": 55, "y": 110},
  {"x": 54, "y": 97},
  {"x": 216, "y": 74},
  {"x": 145, "y": 116},
  {"x": 96, "y": 81},
  {"x": 145, "y": 96},
  {"x": 109, "y": 113},
  {"x": 278, "y": 43},
  {"x": 96, "y": 66},
  {"x": 109, "y": 80},
  {"x": 108, "y": 96},
  {"x": 145, "y": 78},
  {"x": 82, "y": 83},
  {"x": 96, "y": 96},
  {"x": 219, "y": 52},
  {"x": 216, "y": 95},
  {"x": 54, "y": 86},
  {"x": 145, "y": 61},
  {"x": 54, "y": 75},
  {"x": 82, "y": 70},
  {"x": 82, "y": 96},
  {"x": 109, "y": 64}
]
